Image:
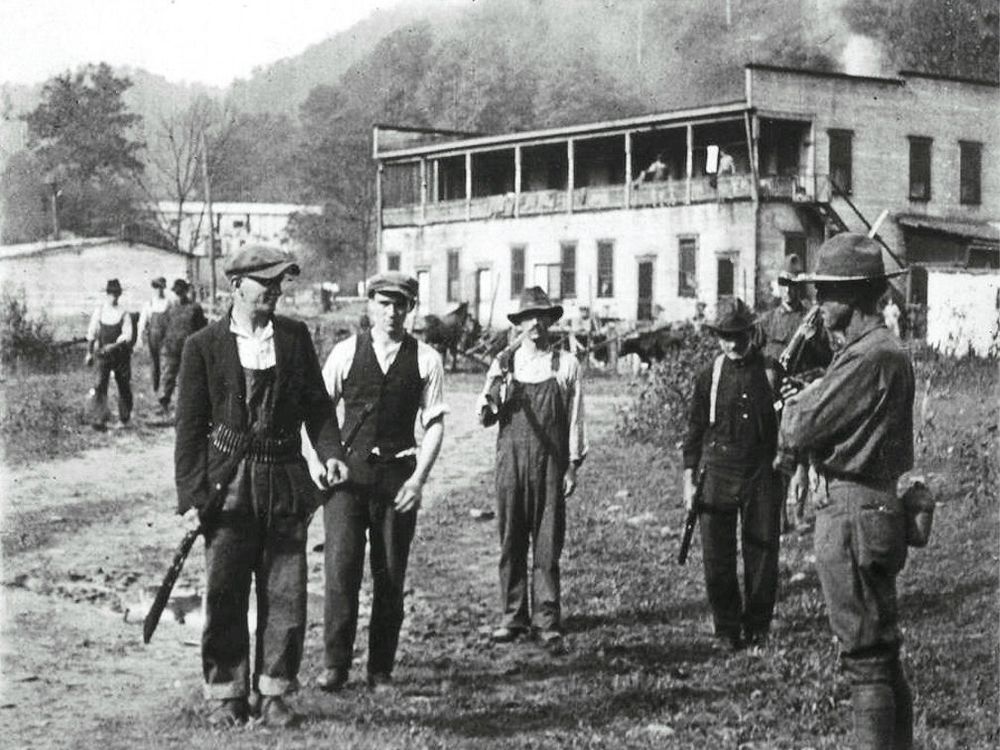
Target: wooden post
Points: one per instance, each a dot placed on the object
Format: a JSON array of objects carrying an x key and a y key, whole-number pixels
[
  {"x": 423, "y": 191},
  {"x": 811, "y": 164},
  {"x": 212, "y": 290},
  {"x": 570, "y": 175},
  {"x": 468, "y": 185},
  {"x": 378, "y": 224},
  {"x": 628, "y": 169},
  {"x": 689, "y": 167},
  {"x": 517, "y": 182},
  {"x": 752, "y": 128}
]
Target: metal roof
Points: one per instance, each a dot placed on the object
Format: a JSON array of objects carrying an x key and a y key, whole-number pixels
[
  {"x": 75, "y": 243},
  {"x": 979, "y": 230}
]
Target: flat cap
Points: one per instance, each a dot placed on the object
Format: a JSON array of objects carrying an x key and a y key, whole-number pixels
[
  {"x": 261, "y": 262},
  {"x": 393, "y": 282}
]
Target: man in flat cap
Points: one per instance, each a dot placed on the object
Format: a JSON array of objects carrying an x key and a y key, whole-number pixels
[
  {"x": 386, "y": 378},
  {"x": 248, "y": 383},
  {"x": 183, "y": 318},
  {"x": 110, "y": 336},
  {"x": 542, "y": 441},
  {"x": 857, "y": 425},
  {"x": 153, "y": 327},
  {"x": 729, "y": 449}
]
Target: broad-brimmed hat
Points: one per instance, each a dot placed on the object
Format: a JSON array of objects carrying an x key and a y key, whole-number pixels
[
  {"x": 393, "y": 282},
  {"x": 114, "y": 286},
  {"x": 732, "y": 316},
  {"x": 790, "y": 273},
  {"x": 260, "y": 262},
  {"x": 850, "y": 256},
  {"x": 180, "y": 286},
  {"x": 158, "y": 283},
  {"x": 534, "y": 301}
]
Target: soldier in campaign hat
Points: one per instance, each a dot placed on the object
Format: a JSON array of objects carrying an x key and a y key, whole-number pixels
[
  {"x": 729, "y": 448},
  {"x": 387, "y": 380},
  {"x": 541, "y": 442},
  {"x": 856, "y": 423},
  {"x": 248, "y": 384},
  {"x": 110, "y": 339}
]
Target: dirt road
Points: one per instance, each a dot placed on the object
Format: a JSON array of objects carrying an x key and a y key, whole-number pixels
[{"x": 86, "y": 538}]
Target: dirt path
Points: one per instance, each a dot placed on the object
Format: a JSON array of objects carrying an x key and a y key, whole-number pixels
[{"x": 85, "y": 540}]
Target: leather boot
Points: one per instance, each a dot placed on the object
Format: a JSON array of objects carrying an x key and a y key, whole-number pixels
[
  {"x": 874, "y": 716},
  {"x": 904, "y": 708}
]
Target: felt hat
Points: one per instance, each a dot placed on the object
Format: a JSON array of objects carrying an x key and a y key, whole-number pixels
[
  {"x": 792, "y": 270},
  {"x": 158, "y": 283},
  {"x": 850, "y": 256},
  {"x": 260, "y": 262},
  {"x": 180, "y": 286},
  {"x": 393, "y": 282},
  {"x": 114, "y": 286},
  {"x": 534, "y": 301},
  {"x": 732, "y": 316}
]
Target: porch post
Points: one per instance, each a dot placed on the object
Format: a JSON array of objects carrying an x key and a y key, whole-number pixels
[
  {"x": 571, "y": 175},
  {"x": 752, "y": 131},
  {"x": 689, "y": 166},
  {"x": 517, "y": 181},
  {"x": 423, "y": 191},
  {"x": 628, "y": 169},
  {"x": 468, "y": 185}
]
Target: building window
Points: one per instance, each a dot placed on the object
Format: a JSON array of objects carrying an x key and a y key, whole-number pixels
[
  {"x": 687, "y": 282},
  {"x": 970, "y": 172},
  {"x": 454, "y": 277},
  {"x": 920, "y": 168},
  {"x": 567, "y": 276},
  {"x": 840, "y": 157},
  {"x": 516, "y": 271},
  {"x": 605, "y": 268},
  {"x": 795, "y": 244},
  {"x": 392, "y": 261}
]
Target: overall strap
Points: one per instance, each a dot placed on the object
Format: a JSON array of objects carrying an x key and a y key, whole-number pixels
[{"x": 716, "y": 376}]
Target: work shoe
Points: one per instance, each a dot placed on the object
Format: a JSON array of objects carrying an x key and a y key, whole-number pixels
[
  {"x": 274, "y": 712},
  {"x": 379, "y": 681},
  {"x": 506, "y": 635},
  {"x": 332, "y": 680},
  {"x": 229, "y": 712}
]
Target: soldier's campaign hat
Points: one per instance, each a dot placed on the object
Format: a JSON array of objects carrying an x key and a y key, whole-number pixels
[
  {"x": 180, "y": 286},
  {"x": 114, "y": 286},
  {"x": 731, "y": 317},
  {"x": 260, "y": 262},
  {"x": 158, "y": 283},
  {"x": 393, "y": 282},
  {"x": 792, "y": 270},
  {"x": 535, "y": 302},
  {"x": 850, "y": 256}
]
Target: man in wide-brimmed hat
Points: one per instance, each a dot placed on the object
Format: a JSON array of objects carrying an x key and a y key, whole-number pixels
[
  {"x": 248, "y": 383},
  {"x": 729, "y": 449},
  {"x": 857, "y": 425},
  {"x": 110, "y": 338},
  {"x": 541, "y": 443},
  {"x": 184, "y": 317}
]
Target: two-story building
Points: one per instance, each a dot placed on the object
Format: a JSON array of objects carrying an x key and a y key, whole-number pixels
[{"x": 652, "y": 215}]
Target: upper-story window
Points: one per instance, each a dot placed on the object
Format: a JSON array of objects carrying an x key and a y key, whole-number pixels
[
  {"x": 687, "y": 265},
  {"x": 920, "y": 168},
  {"x": 516, "y": 270},
  {"x": 605, "y": 268},
  {"x": 392, "y": 261},
  {"x": 970, "y": 172},
  {"x": 454, "y": 277},
  {"x": 567, "y": 274},
  {"x": 841, "y": 159}
]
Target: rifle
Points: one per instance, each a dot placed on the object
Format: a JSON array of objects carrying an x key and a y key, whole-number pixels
[{"x": 691, "y": 520}]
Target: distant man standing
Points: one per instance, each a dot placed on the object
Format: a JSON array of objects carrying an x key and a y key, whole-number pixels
[
  {"x": 109, "y": 338},
  {"x": 542, "y": 442},
  {"x": 183, "y": 318},
  {"x": 153, "y": 326},
  {"x": 386, "y": 378},
  {"x": 729, "y": 450},
  {"x": 857, "y": 424},
  {"x": 248, "y": 384}
]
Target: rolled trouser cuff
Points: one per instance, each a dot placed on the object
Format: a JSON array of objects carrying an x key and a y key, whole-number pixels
[
  {"x": 218, "y": 691},
  {"x": 276, "y": 685}
]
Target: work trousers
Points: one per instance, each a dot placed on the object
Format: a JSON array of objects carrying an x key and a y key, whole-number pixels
[
  {"x": 168, "y": 381},
  {"x": 155, "y": 350},
  {"x": 119, "y": 363},
  {"x": 748, "y": 498},
  {"x": 255, "y": 536},
  {"x": 860, "y": 544},
  {"x": 354, "y": 511}
]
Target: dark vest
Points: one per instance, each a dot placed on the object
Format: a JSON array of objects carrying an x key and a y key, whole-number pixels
[{"x": 391, "y": 400}]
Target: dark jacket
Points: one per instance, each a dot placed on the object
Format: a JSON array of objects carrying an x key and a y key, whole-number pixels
[{"x": 213, "y": 392}]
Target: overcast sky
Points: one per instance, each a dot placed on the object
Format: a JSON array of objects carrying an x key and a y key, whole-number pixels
[{"x": 209, "y": 41}]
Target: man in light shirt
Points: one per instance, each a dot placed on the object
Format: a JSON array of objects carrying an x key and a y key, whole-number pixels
[
  {"x": 109, "y": 339},
  {"x": 385, "y": 378},
  {"x": 153, "y": 326},
  {"x": 536, "y": 395}
]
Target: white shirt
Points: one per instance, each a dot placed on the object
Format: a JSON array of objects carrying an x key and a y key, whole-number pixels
[
  {"x": 255, "y": 347},
  {"x": 156, "y": 304},
  {"x": 535, "y": 366},
  {"x": 110, "y": 315}
]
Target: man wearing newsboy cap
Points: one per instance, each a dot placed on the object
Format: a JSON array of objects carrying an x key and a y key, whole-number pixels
[
  {"x": 386, "y": 378},
  {"x": 248, "y": 383},
  {"x": 856, "y": 423}
]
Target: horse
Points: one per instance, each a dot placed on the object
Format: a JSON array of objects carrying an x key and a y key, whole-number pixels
[{"x": 451, "y": 333}]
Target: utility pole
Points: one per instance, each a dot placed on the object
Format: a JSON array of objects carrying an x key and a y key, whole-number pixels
[{"x": 211, "y": 221}]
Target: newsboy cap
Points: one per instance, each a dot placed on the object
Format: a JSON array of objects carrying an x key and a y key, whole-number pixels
[
  {"x": 534, "y": 301},
  {"x": 393, "y": 282},
  {"x": 731, "y": 317},
  {"x": 850, "y": 256},
  {"x": 260, "y": 262}
]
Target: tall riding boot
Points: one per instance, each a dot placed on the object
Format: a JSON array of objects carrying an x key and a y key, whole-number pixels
[
  {"x": 904, "y": 708},
  {"x": 874, "y": 716}
]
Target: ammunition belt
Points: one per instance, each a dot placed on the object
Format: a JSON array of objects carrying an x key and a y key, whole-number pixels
[{"x": 262, "y": 449}]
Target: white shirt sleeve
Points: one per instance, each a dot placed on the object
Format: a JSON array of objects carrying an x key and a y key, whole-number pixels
[
  {"x": 578, "y": 446},
  {"x": 431, "y": 370},
  {"x": 94, "y": 327},
  {"x": 338, "y": 364},
  {"x": 126, "y": 334}
]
